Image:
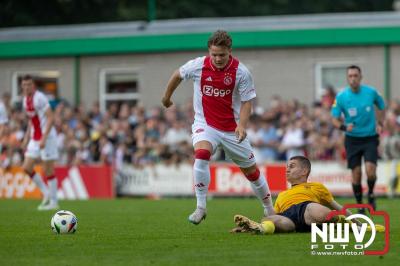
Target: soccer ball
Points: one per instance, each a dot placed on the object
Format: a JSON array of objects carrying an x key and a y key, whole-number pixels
[{"x": 64, "y": 222}]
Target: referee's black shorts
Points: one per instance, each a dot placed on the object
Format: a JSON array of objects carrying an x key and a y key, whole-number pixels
[{"x": 358, "y": 147}]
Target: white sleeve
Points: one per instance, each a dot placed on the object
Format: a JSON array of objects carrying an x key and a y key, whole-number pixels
[
  {"x": 3, "y": 114},
  {"x": 188, "y": 70},
  {"x": 246, "y": 87},
  {"x": 42, "y": 103}
]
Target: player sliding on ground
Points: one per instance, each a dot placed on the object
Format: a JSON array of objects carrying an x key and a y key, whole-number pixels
[
  {"x": 298, "y": 207},
  {"x": 223, "y": 91}
]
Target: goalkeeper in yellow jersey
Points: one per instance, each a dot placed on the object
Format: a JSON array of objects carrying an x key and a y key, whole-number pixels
[{"x": 298, "y": 207}]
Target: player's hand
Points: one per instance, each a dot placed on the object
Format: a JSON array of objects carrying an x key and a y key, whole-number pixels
[
  {"x": 42, "y": 143},
  {"x": 240, "y": 133},
  {"x": 166, "y": 102},
  {"x": 349, "y": 127}
]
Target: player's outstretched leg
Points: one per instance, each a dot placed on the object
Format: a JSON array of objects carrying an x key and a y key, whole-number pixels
[
  {"x": 53, "y": 202},
  {"x": 37, "y": 179},
  {"x": 201, "y": 171},
  {"x": 281, "y": 223},
  {"x": 248, "y": 225},
  {"x": 260, "y": 188}
]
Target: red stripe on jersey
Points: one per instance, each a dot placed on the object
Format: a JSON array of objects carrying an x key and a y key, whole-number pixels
[
  {"x": 217, "y": 91},
  {"x": 37, "y": 131}
]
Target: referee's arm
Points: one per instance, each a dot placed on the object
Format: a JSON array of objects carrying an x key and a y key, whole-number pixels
[
  {"x": 380, "y": 116},
  {"x": 336, "y": 112},
  {"x": 380, "y": 111},
  {"x": 336, "y": 122}
]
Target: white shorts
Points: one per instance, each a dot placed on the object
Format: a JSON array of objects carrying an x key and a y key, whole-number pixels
[
  {"x": 240, "y": 153},
  {"x": 49, "y": 153}
]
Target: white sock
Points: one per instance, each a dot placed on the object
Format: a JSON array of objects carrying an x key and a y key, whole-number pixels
[
  {"x": 37, "y": 179},
  {"x": 53, "y": 189},
  {"x": 261, "y": 189},
  {"x": 201, "y": 172}
]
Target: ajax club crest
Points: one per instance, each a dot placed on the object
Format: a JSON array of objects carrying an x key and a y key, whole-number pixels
[{"x": 227, "y": 80}]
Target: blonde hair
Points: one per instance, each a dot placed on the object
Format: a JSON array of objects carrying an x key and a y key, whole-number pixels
[{"x": 220, "y": 38}]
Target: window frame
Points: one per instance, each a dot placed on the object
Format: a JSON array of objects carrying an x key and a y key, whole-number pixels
[
  {"x": 319, "y": 89},
  {"x": 104, "y": 96}
]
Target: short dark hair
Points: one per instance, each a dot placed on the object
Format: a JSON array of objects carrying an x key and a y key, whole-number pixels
[
  {"x": 26, "y": 77},
  {"x": 220, "y": 38},
  {"x": 354, "y": 67},
  {"x": 304, "y": 162}
]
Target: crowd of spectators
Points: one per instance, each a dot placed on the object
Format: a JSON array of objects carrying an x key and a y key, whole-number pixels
[{"x": 140, "y": 136}]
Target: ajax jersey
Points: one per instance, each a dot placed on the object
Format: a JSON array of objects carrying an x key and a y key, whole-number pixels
[
  {"x": 218, "y": 93},
  {"x": 36, "y": 106}
]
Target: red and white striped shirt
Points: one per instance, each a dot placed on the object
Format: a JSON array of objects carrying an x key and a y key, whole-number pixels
[
  {"x": 218, "y": 93},
  {"x": 36, "y": 106}
]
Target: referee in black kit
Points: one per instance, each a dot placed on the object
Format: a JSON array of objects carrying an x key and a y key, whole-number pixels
[{"x": 357, "y": 103}]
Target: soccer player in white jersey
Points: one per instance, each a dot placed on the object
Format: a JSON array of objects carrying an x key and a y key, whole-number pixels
[
  {"x": 41, "y": 139},
  {"x": 3, "y": 117},
  {"x": 223, "y": 90}
]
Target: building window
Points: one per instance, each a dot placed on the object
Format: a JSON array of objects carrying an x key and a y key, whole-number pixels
[
  {"x": 46, "y": 82},
  {"x": 330, "y": 74},
  {"x": 118, "y": 86}
]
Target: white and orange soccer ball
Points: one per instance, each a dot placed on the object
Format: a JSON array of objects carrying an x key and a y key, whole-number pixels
[{"x": 64, "y": 222}]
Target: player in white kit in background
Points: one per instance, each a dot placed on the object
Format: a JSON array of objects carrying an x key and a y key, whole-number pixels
[
  {"x": 223, "y": 90},
  {"x": 3, "y": 117},
  {"x": 41, "y": 140},
  {"x": 4, "y": 163}
]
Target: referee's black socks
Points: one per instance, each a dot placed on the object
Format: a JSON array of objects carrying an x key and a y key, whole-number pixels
[
  {"x": 371, "y": 185},
  {"x": 371, "y": 197},
  {"x": 357, "y": 190}
]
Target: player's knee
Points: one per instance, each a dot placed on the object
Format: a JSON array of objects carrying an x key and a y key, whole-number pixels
[
  {"x": 318, "y": 214},
  {"x": 249, "y": 170},
  {"x": 282, "y": 224},
  {"x": 50, "y": 176},
  {"x": 30, "y": 172},
  {"x": 201, "y": 162},
  {"x": 254, "y": 175},
  {"x": 202, "y": 154},
  {"x": 322, "y": 215},
  {"x": 285, "y": 226},
  {"x": 49, "y": 171},
  {"x": 357, "y": 172}
]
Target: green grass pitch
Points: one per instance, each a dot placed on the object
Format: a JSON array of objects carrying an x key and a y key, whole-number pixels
[{"x": 156, "y": 232}]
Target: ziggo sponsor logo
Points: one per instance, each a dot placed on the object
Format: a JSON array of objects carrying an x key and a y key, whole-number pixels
[{"x": 215, "y": 92}]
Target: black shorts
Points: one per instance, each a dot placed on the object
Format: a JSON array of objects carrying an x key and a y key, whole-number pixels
[
  {"x": 296, "y": 214},
  {"x": 358, "y": 147}
]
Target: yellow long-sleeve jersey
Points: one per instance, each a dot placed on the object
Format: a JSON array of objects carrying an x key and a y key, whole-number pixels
[{"x": 315, "y": 192}]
